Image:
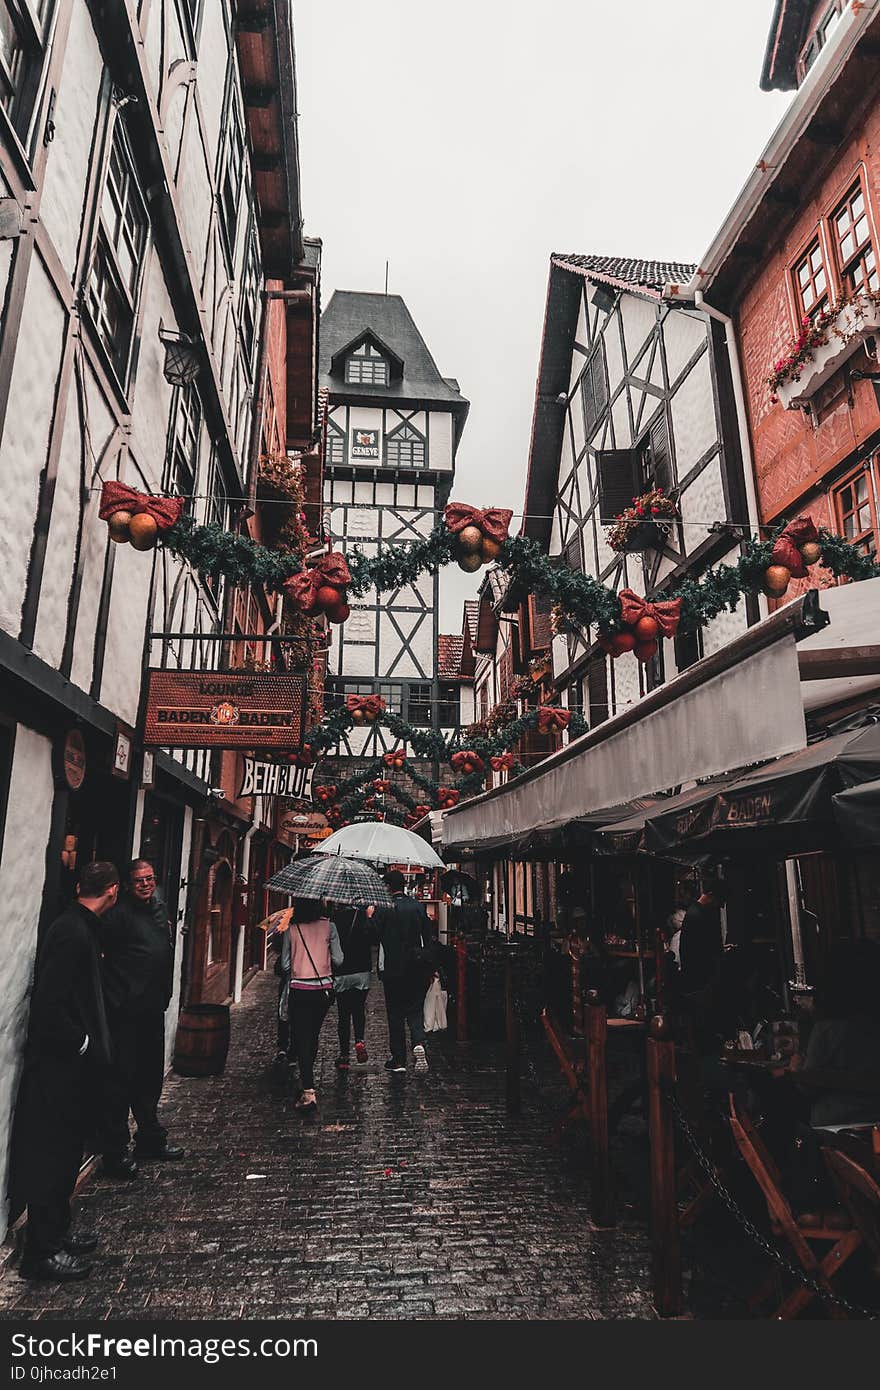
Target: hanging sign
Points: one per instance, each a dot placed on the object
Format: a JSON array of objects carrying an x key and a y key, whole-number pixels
[
  {"x": 225, "y": 709},
  {"x": 260, "y": 778},
  {"x": 364, "y": 444},
  {"x": 122, "y": 753},
  {"x": 73, "y": 759}
]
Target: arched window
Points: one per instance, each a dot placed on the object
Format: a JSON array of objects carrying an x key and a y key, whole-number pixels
[{"x": 405, "y": 448}]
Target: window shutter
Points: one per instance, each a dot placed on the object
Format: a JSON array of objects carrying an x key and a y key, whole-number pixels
[
  {"x": 620, "y": 480},
  {"x": 539, "y": 621},
  {"x": 573, "y": 555},
  {"x": 660, "y": 460},
  {"x": 594, "y": 387},
  {"x": 505, "y": 673},
  {"x": 597, "y": 690}
]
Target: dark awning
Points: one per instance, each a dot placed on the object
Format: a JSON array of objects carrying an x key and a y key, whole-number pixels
[
  {"x": 857, "y": 812},
  {"x": 627, "y": 835},
  {"x": 784, "y": 806}
]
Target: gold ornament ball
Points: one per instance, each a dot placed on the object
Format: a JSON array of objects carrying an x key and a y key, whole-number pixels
[
  {"x": 357, "y": 716},
  {"x": 118, "y": 527},
  {"x": 776, "y": 581},
  {"x": 811, "y": 552},
  {"x": 143, "y": 531},
  {"x": 470, "y": 563},
  {"x": 490, "y": 550},
  {"x": 470, "y": 540}
]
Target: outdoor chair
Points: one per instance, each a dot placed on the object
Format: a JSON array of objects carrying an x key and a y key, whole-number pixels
[
  {"x": 832, "y": 1228},
  {"x": 575, "y": 1074},
  {"x": 860, "y": 1195}
]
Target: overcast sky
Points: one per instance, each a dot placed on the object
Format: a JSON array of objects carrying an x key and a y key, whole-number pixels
[{"x": 465, "y": 141}]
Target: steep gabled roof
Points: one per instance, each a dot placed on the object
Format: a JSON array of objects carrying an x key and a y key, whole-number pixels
[
  {"x": 788, "y": 29},
  {"x": 449, "y": 649},
  {"x": 625, "y": 272},
  {"x": 351, "y": 315},
  {"x": 471, "y": 616}
]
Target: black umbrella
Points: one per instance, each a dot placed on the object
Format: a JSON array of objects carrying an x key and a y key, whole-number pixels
[{"x": 349, "y": 882}]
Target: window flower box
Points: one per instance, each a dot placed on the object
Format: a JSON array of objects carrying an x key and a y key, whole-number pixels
[
  {"x": 645, "y": 525},
  {"x": 822, "y": 348}
]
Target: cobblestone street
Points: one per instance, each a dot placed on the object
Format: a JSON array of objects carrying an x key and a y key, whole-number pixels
[{"x": 408, "y": 1198}]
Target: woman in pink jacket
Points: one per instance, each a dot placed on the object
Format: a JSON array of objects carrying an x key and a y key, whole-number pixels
[{"x": 314, "y": 950}]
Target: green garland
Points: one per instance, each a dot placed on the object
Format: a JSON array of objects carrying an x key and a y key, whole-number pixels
[{"x": 582, "y": 600}]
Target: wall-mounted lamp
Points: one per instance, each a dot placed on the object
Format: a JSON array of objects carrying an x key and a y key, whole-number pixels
[
  {"x": 604, "y": 298},
  {"x": 182, "y": 357}
]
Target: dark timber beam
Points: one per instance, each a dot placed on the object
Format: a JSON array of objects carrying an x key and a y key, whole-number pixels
[{"x": 831, "y": 663}]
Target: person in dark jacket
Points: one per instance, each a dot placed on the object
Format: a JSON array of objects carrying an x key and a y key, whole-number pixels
[
  {"x": 138, "y": 967},
  {"x": 68, "y": 1048},
  {"x": 352, "y": 982},
  {"x": 406, "y": 968}
]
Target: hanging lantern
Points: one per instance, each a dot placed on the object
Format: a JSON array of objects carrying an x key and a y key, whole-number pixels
[{"x": 182, "y": 357}]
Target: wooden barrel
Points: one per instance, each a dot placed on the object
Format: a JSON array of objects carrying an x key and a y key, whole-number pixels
[{"x": 202, "y": 1040}]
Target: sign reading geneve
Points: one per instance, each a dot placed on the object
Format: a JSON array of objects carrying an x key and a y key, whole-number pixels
[
  {"x": 275, "y": 779},
  {"x": 225, "y": 709}
]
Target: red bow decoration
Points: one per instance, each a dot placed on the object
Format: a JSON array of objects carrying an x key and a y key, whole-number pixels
[
  {"x": 447, "y": 797},
  {"x": 502, "y": 762},
  {"x": 666, "y": 614},
  {"x": 118, "y": 497},
  {"x": 370, "y": 705},
  {"x": 380, "y": 785},
  {"x": 394, "y": 759},
  {"x": 551, "y": 718},
  {"x": 494, "y": 522},
  {"x": 303, "y": 588},
  {"x": 786, "y": 550},
  {"x": 326, "y": 793},
  {"x": 422, "y": 809},
  {"x": 467, "y": 761}
]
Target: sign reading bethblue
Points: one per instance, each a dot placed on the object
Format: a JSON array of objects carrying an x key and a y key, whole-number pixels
[
  {"x": 225, "y": 709},
  {"x": 276, "y": 779}
]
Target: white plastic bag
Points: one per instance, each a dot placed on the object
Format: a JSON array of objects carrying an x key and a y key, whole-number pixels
[{"x": 434, "y": 1014}]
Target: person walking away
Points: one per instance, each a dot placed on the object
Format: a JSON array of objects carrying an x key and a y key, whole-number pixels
[
  {"x": 68, "y": 1048},
  {"x": 278, "y": 940},
  {"x": 406, "y": 968},
  {"x": 353, "y": 983},
  {"x": 314, "y": 950},
  {"x": 138, "y": 975}
]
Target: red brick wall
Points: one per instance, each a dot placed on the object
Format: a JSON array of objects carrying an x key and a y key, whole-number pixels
[{"x": 792, "y": 455}]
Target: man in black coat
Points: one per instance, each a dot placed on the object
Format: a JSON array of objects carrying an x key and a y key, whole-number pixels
[
  {"x": 405, "y": 967},
  {"x": 138, "y": 969},
  {"x": 68, "y": 1049}
]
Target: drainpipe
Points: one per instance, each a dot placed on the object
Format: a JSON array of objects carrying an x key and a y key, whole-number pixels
[{"x": 748, "y": 465}]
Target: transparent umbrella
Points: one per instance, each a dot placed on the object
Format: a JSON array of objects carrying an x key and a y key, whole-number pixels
[{"x": 380, "y": 843}]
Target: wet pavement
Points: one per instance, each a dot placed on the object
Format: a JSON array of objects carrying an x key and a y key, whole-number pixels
[{"x": 407, "y": 1197}]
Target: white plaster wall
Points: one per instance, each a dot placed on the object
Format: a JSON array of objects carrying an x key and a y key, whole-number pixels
[
  {"x": 724, "y": 629},
  {"x": 153, "y": 42},
  {"x": 613, "y": 355},
  {"x": 576, "y": 415},
  {"x": 6, "y": 249},
  {"x": 390, "y": 645},
  {"x": 702, "y": 503},
  {"x": 197, "y": 206},
  {"x": 626, "y": 682},
  {"x": 126, "y": 625},
  {"x": 67, "y": 163},
  {"x": 581, "y": 332},
  {"x": 440, "y": 441},
  {"x": 61, "y": 548},
  {"x": 693, "y": 417},
  {"x": 639, "y": 318},
  {"x": 213, "y": 55},
  {"x": 682, "y": 335},
  {"x": 31, "y": 794},
  {"x": 620, "y": 416},
  {"x": 151, "y": 399},
  {"x": 578, "y": 358},
  {"x": 25, "y": 442},
  {"x": 366, "y": 418}
]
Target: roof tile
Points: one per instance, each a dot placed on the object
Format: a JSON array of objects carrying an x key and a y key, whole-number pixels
[{"x": 626, "y": 271}]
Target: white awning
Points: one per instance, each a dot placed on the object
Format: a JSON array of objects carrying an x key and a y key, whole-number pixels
[
  {"x": 735, "y": 707},
  {"x": 854, "y": 610}
]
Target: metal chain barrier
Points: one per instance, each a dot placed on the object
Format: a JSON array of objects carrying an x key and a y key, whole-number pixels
[{"x": 751, "y": 1230}]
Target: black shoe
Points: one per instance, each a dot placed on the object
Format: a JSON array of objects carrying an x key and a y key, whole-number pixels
[
  {"x": 123, "y": 1167},
  {"x": 392, "y": 1065},
  {"x": 80, "y": 1243},
  {"x": 168, "y": 1153},
  {"x": 58, "y": 1268}
]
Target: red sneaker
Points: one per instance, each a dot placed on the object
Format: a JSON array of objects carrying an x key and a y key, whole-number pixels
[{"x": 360, "y": 1051}]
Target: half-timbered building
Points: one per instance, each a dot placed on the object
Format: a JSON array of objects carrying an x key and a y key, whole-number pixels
[
  {"x": 393, "y": 428},
  {"x": 131, "y": 235}
]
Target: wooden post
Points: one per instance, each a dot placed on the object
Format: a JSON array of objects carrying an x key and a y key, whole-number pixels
[
  {"x": 665, "y": 1233},
  {"x": 461, "y": 989},
  {"x": 601, "y": 1193},
  {"x": 511, "y": 1081}
]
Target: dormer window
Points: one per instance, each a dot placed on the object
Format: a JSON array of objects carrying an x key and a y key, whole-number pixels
[{"x": 366, "y": 367}]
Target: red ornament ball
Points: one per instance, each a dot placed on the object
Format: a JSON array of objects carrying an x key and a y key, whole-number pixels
[
  {"x": 338, "y": 612},
  {"x": 645, "y": 651},
  {"x": 327, "y": 596},
  {"x": 621, "y": 643},
  {"x": 646, "y": 629}
]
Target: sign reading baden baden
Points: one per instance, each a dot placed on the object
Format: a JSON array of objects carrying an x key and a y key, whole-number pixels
[{"x": 225, "y": 709}]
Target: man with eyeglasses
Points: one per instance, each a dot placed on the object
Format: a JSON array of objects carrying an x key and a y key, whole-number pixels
[{"x": 138, "y": 963}]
